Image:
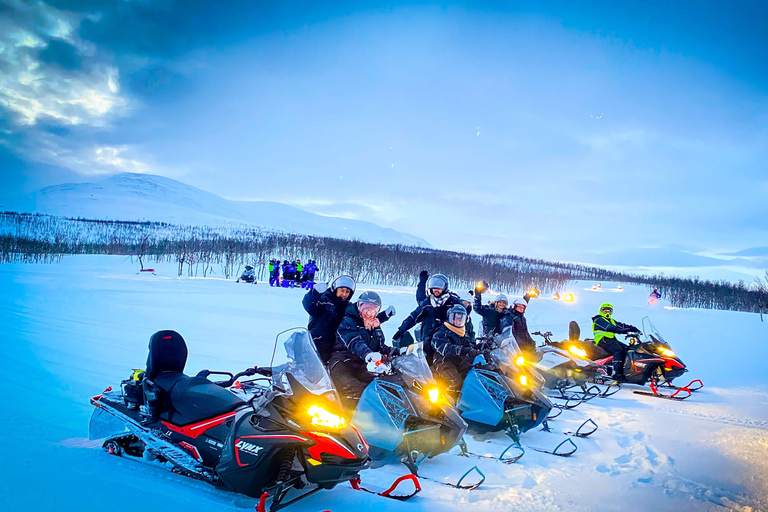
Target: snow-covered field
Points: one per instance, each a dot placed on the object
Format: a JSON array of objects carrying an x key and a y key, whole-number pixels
[{"x": 73, "y": 328}]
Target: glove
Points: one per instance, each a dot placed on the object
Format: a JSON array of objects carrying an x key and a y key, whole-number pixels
[
  {"x": 469, "y": 352},
  {"x": 321, "y": 287},
  {"x": 397, "y": 336},
  {"x": 471, "y": 293},
  {"x": 375, "y": 364},
  {"x": 390, "y": 312},
  {"x": 423, "y": 276}
]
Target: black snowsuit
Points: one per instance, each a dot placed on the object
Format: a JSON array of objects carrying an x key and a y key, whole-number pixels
[
  {"x": 326, "y": 311},
  {"x": 519, "y": 326},
  {"x": 421, "y": 295},
  {"x": 492, "y": 319},
  {"x": 610, "y": 344},
  {"x": 354, "y": 342},
  {"x": 454, "y": 355},
  {"x": 431, "y": 318}
]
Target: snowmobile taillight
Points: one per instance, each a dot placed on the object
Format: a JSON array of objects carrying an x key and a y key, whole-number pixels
[
  {"x": 323, "y": 418},
  {"x": 434, "y": 395},
  {"x": 577, "y": 351},
  {"x": 520, "y": 361}
]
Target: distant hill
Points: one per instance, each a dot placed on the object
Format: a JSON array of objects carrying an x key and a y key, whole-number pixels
[{"x": 140, "y": 197}]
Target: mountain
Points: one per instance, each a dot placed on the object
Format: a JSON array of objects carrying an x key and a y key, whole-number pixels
[{"x": 145, "y": 197}]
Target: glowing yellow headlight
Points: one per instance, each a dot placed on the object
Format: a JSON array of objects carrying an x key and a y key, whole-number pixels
[
  {"x": 520, "y": 361},
  {"x": 533, "y": 292},
  {"x": 323, "y": 418},
  {"x": 569, "y": 298},
  {"x": 523, "y": 380},
  {"x": 578, "y": 351},
  {"x": 434, "y": 395},
  {"x": 667, "y": 352}
]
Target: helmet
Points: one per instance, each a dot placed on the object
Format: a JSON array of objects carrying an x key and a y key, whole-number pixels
[
  {"x": 343, "y": 282},
  {"x": 457, "y": 316},
  {"x": 606, "y": 305},
  {"x": 502, "y": 298},
  {"x": 438, "y": 281},
  {"x": 519, "y": 301},
  {"x": 369, "y": 298}
]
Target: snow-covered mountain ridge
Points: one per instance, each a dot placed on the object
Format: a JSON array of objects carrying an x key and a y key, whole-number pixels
[{"x": 143, "y": 197}]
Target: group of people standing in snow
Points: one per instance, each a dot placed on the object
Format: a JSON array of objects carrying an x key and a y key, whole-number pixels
[
  {"x": 350, "y": 341},
  {"x": 293, "y": 274}
]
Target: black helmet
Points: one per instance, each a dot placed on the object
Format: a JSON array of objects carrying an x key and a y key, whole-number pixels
[
  {"x": 343, "y": 282},
  {"x": 369, "y": 298},
  {"x": 457, "y": 316},
  {"x": 438, "y": 281}
]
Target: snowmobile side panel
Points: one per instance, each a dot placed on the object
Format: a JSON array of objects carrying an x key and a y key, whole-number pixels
[
  {"x": 482, "y": 397},
  {"x": 381, "y": 414}
]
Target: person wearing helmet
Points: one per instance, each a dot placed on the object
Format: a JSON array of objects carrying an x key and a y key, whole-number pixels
[
  {"x": 430, "y": 313},
  {"x": 515, "y": 321},
  {"x": 299, "y": 272},
  {"x": 274, "y": 272},
  {"x": 605, "y": 329},
  {"x": 286, "y": 274},
  {"x": 360, "y": 352},
  {"x": 326, "y": 306},
  {"x": 455, "y": 349},
  {"x": 491, "y": 313}
]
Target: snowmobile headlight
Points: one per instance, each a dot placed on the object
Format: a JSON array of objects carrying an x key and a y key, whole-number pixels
[
  {"x": 433, "y": 394},
  {"x": 666, "y": 352},
  {"x": 569, "y": 298},
  {"x": 520, "y": 361},
  {"x": 578, "y": 351},
  {"x": 323, "y": 418},
  {"x": 533, "y": 292},
  {"x": 524, "y": 380}
]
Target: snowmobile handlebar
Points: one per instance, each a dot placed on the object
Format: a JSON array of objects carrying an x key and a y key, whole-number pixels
[
  {"x": 232, "y": 378},
  {"x": 546, "y": 335}
]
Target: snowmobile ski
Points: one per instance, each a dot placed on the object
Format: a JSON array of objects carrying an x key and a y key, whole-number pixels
[
  {"x": 412, "y": 462},
  {"x": 586, "y": 429},
  {"x": 681, "y": 393},
  {"x": 564, "y": 453},
  {"x": 356, "y": 485},
  {"x": 516, "y": 454}
]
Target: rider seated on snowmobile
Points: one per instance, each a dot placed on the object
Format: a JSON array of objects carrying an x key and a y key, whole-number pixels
[
  {"x": 455, "y": 349},
  {"x": 605, "y": 330},
  {"x": 360, "y": 353},
  {"x": 516, "y": 320},
  {"x": 421, "y": 294},
  {"x": 326, "y": 306},
  {"x": 430, "y": 313},
  {"x": 491, "y": 313}
]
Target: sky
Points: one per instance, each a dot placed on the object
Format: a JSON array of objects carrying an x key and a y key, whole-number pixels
[{"x": 604, "y": 132}]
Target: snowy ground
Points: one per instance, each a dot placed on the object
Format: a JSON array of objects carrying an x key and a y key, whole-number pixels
[{"x": 71, "y": 329}]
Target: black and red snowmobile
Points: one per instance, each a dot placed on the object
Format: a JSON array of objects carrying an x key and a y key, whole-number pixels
[
  {"x": 291, "y": 436},
  {"x": 649, "y": 360}
]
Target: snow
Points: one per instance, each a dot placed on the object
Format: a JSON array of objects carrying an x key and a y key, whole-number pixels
[
  {"x": 133, "y": 197},
  {"x": 73, "y": 328}
]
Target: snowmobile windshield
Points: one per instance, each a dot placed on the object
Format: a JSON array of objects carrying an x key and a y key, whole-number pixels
[
  {"x": 508, "y": 351},
  {"x": 302, "y": 363},
  {"x": 413, "y": 364},
  {"x": 652, "y": 334}
]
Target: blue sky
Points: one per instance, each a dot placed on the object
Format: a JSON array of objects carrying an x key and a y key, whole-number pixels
[{"x": 600, "y": 132}]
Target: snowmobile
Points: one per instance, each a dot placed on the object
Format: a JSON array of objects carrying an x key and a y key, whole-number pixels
[
  {"x": 248, "y": 275},
  {"x": 503, "y": 393},
  {"x": 568, "y": 373},
  {"x": 648, "y": 361},
  {"x": 289, "y": 435},
  {"x": 405, "y": 414}
]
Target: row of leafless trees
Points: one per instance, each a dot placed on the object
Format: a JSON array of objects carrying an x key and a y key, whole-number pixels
[{"x": 204, "y": 251}]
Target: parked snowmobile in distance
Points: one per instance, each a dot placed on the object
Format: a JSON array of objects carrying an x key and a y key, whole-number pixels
[
  {"x": 248, "y": 275},
  {"x": 405, "y": 414},
  {"x": 288, "y": 436}
]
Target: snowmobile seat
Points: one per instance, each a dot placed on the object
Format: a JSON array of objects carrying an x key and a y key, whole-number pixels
[{"x": 184, "y": 399}]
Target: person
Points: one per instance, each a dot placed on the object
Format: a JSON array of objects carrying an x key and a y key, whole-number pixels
[
  {"x": 654, "y": 296},
  {"x": 274, "y": 272},
  {"x": 309, "y": 275},
  {"x": 299, "y": 272},
  {"x": 430, "y": 313},
  {"x": 286, "y": 282},
  {"x": 605, "y": 329},
  {"x": 360, "y": 352},
  {"x": 455, "y": 349},
  {"x": 326, "y": 306},
  {"x": 519, "y": 326},
  {"x": 491, "y": 313}
]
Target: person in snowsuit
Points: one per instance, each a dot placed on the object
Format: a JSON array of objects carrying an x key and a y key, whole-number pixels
[
  {"x": 430, "y": 313},
  {"x": 309, "y": 275},
  {"x": 455, "y": 349},
  {"x": 286, "y": 274},
  {"x": 299, "y": 272},
  {"x": 326, "y": 306},
  {"x": 421, "y": 295},
  {"x": 605, "y": 329},
  {"x": 360, "y": 353},
  {"x": 519, "y": 327},
  {"x": 274, "y": 273},
  {"x": 492, "y": 313}
]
